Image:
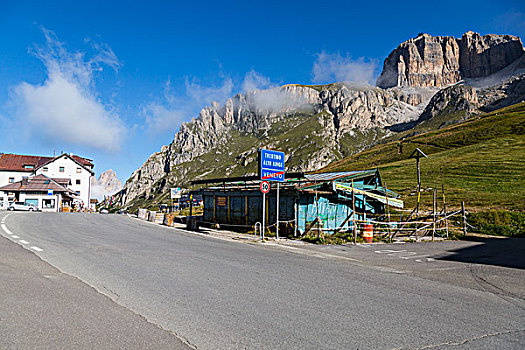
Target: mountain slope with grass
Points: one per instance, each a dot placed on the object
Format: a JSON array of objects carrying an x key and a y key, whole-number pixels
[
  {"x": 480, "y": 161},
  {"x": 428, "y": 83}
]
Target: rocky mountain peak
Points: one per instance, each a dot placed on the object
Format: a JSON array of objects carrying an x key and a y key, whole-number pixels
[
  {"x": 316, "y": 125},
  {"x": 106, "y": 185},
  {"x": 438, "y": 61}
]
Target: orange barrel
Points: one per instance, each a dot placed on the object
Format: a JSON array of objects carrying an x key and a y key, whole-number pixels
[{"x": 368, "y": 233}]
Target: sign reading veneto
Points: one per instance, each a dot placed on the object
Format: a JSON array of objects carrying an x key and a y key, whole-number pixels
[{"x": 272, "y": 165}]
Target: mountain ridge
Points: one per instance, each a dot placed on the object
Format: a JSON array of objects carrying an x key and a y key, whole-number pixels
[{"x": 313, "y": 124}]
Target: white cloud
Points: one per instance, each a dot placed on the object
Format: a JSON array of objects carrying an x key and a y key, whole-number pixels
[
  {"x": 329, "y": 68},
  {"x": 168, "y": 112},
  {"x": 65, "y": 109},
  {"x": 204, "y": 95},
  {"x": 267, "y": 96},
  {"x": 256, "y": 81}
]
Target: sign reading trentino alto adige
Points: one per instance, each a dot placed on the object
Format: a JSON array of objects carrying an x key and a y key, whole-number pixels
[{"x": 272, "y": 165}]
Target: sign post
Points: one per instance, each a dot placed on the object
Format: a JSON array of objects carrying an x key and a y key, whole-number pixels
[
  {"x": 175, "y": 193},
  {"x": 272, "y": 169},
  {"x": 265, "y": 188}
]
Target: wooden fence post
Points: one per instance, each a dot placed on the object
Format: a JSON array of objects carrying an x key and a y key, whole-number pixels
[
  {"x": 388, "y": 213},
  {"x": 434, "y": 215},
  {"x": 445, "y": 208},
  {"x": 353, "y": 213},
  {"x": 464, "y": 218}
]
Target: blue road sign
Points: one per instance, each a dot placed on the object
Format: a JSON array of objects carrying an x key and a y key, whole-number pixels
[{"x": 272, "y": 165}]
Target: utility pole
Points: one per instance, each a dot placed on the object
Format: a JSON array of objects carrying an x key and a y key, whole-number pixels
[{"x": 417, "y": 153}]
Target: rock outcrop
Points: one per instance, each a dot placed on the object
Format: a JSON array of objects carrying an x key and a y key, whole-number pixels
[
  {"x": 424, "y": 78},
  {"x": 443, "y": 60},
  {"x": 339, "y": 109},
  {"x": 451, "y": 99},
  {"x": 106, "y": 185}
]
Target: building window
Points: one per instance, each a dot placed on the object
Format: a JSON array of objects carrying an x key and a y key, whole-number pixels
[
  {"x": 44, "y": 168},
  {"x": 28, "y": 166},
  {"x": 79, "y": 170},
  {"x": 48, "y": 203},
  {"x": 32, "y": 202},
  {"x": 11, "y": 180},
  {"x": 61, "y": 169},
  {"x": 78, "y": 182},
  {"x": 78, "y": 193}
]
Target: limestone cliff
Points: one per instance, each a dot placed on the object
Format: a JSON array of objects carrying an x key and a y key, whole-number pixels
[
  {"x": 427, "y": 80},
  {"x": 443, "y": 60},
  {"x": 321, "y": 119},
  {"x": 107, "y": 184}
]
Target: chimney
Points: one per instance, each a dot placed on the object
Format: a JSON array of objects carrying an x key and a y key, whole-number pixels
[{"x": 25, "y": 180}]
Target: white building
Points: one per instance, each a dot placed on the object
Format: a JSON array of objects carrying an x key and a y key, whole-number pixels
[
  {"x": 41, "y": 191},
  {"x": 78, "y": 170}
]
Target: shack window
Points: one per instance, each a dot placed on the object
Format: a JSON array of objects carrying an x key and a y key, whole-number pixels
[
  {"x": 79, "y": 170},
  {"x": 11, "y": 180},
  {"x": 61, "y": 169},
  {"x": 44, "y": 168},
  {"x": 77, "y": 181}
]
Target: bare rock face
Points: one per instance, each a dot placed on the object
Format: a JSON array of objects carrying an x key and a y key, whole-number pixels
[
  {"x": 451, "y": 99},
  {"x": 442, "y": 60},
  {"x": 340, "y": 109},
  {"x": 481, "y": 56},
  {"x": 319, "y": 124},
  {"x": 106, "y": 185}
]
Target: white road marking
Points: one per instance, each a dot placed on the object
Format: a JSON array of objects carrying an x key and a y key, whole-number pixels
[
  {"x": 431, "y": 259},
  {"x": 403, "y": 254},
  {"x": 4, "y": 227},
  {"x": 406, "y": 255},
  {"x": 311, "y": 253},
  {"x": 23, "y": 242},
  {"x": 15, "y": 236},
  {"x": 413, "y": 257},
  {"x": 387, "y": 251},
  {"x": 37, "y": 249}
]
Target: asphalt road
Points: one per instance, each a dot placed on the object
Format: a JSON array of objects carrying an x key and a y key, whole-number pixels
[{"x": 224, "y": 294}]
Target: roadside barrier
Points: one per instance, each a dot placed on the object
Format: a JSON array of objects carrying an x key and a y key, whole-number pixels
[
  {"x": 368, "y": 233},
  {"x": 142, "y": 214},
  {"x": 168, "y": 219},
  {"x": 152, "y": 215},
  {"x": 159, "y": 218}
]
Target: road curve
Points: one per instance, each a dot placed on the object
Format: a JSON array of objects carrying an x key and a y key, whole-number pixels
[{"x": 219, "y": 294}]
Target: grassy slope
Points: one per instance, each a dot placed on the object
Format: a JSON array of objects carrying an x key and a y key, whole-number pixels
[{"x": 480, "y": 161}]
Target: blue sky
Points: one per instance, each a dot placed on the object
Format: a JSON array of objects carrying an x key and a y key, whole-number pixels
[{"x": 113, "y": 80}]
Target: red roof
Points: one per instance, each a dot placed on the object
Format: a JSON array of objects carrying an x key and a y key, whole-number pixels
[
  {"x": 38, "y": 183},
  {"x": 83, "y": 161},
  {"x": 16, "y": 162}
]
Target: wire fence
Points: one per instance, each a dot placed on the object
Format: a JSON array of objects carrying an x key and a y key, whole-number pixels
[{"x": 379, "y": 227}]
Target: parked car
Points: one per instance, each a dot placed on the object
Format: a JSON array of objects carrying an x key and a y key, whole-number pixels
[
  {"x": 104, "y": 211},
  {"x": 23, "y": 206}
]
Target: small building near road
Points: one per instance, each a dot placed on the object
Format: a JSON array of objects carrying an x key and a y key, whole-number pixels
[
  {"x": 328, "y": 198},
  {"x": 41, "y": 191},
  {"x": 77, "y": 170}
]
